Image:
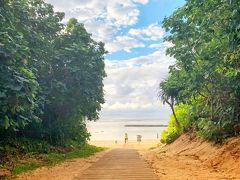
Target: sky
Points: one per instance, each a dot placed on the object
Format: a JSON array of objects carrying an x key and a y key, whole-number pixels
[{"x": 136, "y": 62}]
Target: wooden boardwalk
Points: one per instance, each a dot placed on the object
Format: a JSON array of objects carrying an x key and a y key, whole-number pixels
[{"x": 124, "y": 164}]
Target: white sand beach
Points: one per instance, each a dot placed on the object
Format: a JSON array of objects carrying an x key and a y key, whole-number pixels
[{"x": 144, "y": 144}]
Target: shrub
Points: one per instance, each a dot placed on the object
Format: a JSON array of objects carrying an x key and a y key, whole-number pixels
[
  {"x": 16, "y": 146},
  {"x": 213, "y": 131},
  {"x": 173, "y": 132}
]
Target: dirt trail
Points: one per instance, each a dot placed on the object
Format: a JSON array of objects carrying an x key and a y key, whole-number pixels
[
  {"x": 74, "y": 168},
  {"x": 191, "y": 158},
  {"x": 119, "y": 164}
]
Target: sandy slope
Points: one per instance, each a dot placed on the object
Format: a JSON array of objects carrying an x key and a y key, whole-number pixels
[
  {"x": 133, "y": 144},
  {"x": 191, "y": 158}
]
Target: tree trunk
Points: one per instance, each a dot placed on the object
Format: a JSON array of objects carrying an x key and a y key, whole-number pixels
[{"x": 174, "y": 114}]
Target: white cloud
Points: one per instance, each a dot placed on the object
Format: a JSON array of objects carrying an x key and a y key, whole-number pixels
[
  {"x": 125, "y": 43},
  {"x": 103, "y": 19},
  {"x": 122, "y": 13},
  {"x": 131, "y": 86},
  {"x": 151, "y": 33},
  {"x": 135, "y": 38},
  {"x": 127, "y": 106},
  {"x": 113, "y": 12},
  {"x": 141, "y": 1},
  {"x": 163, "y": 45},
  {"x": 100, "y": 30}
]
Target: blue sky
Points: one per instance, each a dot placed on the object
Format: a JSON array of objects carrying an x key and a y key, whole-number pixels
[
  {"x": 152, "y": 12},
  {"x": 136, "y": 63}
]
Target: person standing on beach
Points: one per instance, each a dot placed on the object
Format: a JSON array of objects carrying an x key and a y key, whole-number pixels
[{"x": 126, "y": 138}]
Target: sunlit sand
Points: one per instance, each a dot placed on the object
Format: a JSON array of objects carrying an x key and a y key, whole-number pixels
[{"x": 144, "y": 144}]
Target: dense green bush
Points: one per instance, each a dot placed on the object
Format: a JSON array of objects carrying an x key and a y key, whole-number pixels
[
  {"x": 211, "y": 130},
  {"x": 206, "y": 76},
  {"x": 23, "y": 146},
  {"x": 51, "y": 75}
]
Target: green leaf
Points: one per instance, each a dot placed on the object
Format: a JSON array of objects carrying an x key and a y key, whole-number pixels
[
  {"x": 2, "y": 95},
  {"x": 6, "y": 122}
]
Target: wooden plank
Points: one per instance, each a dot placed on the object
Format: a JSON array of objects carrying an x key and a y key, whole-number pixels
[{"x": 119, "y": 164}]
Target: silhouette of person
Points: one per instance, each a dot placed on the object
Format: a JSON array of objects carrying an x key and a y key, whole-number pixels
[
  {"x": 139, "y": 138},
  {"x": 126, "y": 138}
]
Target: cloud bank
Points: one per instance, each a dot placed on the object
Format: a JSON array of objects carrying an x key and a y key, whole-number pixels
[
  {"x": 131, "y": 87},
  {"x": 104, "y": 19}
]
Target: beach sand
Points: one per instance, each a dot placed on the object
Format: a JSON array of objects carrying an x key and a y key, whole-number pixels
[{"x": 143, "y": 145}]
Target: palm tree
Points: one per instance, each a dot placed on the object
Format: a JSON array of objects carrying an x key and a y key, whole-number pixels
[{"x": 168, "y": 95}]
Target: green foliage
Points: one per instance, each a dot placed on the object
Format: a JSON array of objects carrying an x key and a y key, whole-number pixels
[
  {"x": 12, "y": 148},
  {"x": 74, "y": 88},
  {"x": 173, "y": 131},
  {"x": 51, "y": 76},
  {"x": 206, "y": 75},
  {"x": 18, "y": 86},
  {"x": 210, "y": 130},
  {"x": 167, "y": 137},
  {"x": 25, "y": 167}
]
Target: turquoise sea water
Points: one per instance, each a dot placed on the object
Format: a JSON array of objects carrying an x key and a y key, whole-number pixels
[{"x": 115, "y": 129}]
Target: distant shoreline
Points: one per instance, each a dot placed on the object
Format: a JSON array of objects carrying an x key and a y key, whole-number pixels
[{"x": 145, "y": 125}]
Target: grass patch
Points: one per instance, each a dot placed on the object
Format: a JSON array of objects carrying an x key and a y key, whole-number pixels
[
  {"x": 53, "y": 158},
  {"x": 25, "y": 167}
]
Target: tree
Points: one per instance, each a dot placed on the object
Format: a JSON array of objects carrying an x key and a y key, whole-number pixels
[
  {"x": 75, "y": 87},
  {"x": 167, "y": 95},
  {"x": 18, "y": 85},
  {"x": 171, "y": 90},
  {"x": 51, "y": 77},
  {"x": 206, "y": 49}
]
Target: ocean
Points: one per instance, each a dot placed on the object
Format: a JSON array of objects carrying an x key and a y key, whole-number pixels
[{"x": 115, "y": 129}]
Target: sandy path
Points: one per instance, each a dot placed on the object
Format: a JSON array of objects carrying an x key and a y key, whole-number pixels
[
  {"x": 119, "y": 164},
  {"x": 133, "y": 144},
  {"x": 74, "y": 168}
]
